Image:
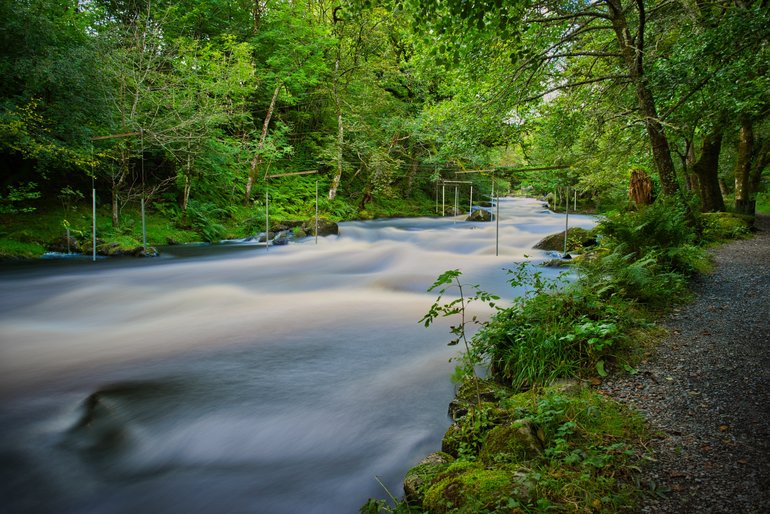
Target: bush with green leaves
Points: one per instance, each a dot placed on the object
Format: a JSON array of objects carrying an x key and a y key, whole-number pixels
[
  {"x": 205, "y": 218},
  {"x": 567, "y": 333},
  {"x": 661, "y": 231}
]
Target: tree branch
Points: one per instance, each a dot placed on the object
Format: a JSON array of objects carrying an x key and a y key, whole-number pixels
[{"x": 574, "y": 85}]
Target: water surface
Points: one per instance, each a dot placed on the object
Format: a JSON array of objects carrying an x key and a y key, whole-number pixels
[{"x": 240, "y": 379}]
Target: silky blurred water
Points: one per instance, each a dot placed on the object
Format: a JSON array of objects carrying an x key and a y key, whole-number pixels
[{"x": 239, "y": 379}]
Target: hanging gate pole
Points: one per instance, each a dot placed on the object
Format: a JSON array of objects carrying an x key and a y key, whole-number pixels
[
  {"x": 456, "y": 206},
  {"x": 497, "y": 223},
  {"x": 93, "y": 216},
  {"x": 144, "y": 222},
  {"x": 443, "y": 199},
  {"x": 470, "y": 202},
  {"x": 316, "y": 211},
  {"x": 566, "y": 220},
  {"x": 267, "y": 221}
]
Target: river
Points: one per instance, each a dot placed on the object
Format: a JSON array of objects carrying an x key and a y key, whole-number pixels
[{"x": 239, "y": 380}]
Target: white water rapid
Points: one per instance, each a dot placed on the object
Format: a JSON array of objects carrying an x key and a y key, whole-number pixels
[{"x": 239, "y": 381}]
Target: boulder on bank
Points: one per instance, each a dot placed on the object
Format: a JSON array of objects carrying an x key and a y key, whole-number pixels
[
  {"x": 519, "y": 441},
  {"x": 64, "y": 244},
  {"x": 577, "y": 239},
  {"x": 470, "y": 487},
  {"x": 116, "y": 249},
  {"x": 307, "y": 227},
  {"x": 421, "y": 477}
]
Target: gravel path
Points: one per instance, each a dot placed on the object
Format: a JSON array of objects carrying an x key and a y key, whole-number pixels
[{"x": 706, "y": 390}]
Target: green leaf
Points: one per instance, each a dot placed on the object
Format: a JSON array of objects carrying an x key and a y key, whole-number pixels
[{"x": 600, "y": 369}]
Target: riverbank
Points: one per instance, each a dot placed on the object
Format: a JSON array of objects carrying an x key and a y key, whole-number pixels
[
  {"x": 584, "y": 448},
  {"x": 705, "y": 390},
  {"x": 29, "y": 235}
]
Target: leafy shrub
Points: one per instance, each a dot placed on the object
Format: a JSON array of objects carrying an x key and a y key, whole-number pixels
[
  {"x": 204, "y": 218},
  {"x": 18, "y": 199},
  {"x": 661, "y": 230},
  {"x": 720, "y": 226},
  {"x": 551, "y": 336}
]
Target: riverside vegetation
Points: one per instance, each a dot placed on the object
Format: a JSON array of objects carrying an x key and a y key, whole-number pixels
[{"x": 532, "y": 435}]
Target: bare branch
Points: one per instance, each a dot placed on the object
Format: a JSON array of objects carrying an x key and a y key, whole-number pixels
[
  {"x": 572, "y": 85},
  {"x": 566, "y": 17}
]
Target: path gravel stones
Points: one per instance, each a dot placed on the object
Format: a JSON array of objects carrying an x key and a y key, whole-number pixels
[{"x": 706, "y": 391}]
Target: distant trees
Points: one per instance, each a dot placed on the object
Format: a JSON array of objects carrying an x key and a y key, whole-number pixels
[
  {"x": 381, "y": 98},
  {"x": 684, "y": 72}
]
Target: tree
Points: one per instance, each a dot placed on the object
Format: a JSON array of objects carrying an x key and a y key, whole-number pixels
[
  {"x": 291, "y": 49},
  {"x": 51, "y": 94}
]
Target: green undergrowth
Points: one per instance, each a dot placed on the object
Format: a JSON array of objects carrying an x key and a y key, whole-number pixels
[
  {"x": 10, "y": 249},
  {"x": 533, "y": 436},
  {"x": 32, "y": 232},
  {"x": 563, "y": 448}
]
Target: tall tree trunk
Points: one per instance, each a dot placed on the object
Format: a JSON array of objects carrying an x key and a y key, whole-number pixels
[
  {"x": 753, "y": 158},
  {"x": 761, "y": 161},
  {"x": 707, "y": 170},
  {"x": 115, "y": 206},
  {"x": 688, "y": 161},
  {"x": 256, "y": 161},
  {"x": 187, "y": 184},
  {"x": 743, "y": 168},
  {"x": 340, "y": 132},
  {"x": 632, "y": 49}
]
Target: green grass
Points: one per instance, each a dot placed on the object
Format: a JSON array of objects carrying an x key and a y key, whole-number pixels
[
  {"x": 763, "y": 203},
  {"x": 10, "y": 249}
]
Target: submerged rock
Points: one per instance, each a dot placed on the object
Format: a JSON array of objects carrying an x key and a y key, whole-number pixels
[{"x": 480, "y": 215}]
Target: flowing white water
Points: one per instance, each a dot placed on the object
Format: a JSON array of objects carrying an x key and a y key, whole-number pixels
[{"x": 252, "y": 381}]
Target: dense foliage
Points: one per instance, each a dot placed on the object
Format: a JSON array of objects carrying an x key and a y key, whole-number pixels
[{"x": 196, "y": 104}]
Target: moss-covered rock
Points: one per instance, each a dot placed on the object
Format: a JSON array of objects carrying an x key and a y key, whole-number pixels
[
  {"x": 517, "y": 442},
  {"x": 719, "y": 226},
  {"x": 468, "y": 487},
  {"x": 577, "y": 239},
  {"x": 469, "y": 393},
  {"x": 419, "y": 478}
]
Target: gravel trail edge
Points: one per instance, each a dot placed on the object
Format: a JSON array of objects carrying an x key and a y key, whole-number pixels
[{"x": 705, "y": 390}]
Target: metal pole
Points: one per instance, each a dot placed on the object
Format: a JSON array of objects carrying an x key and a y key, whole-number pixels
[
  {"x": 566, "y": 220},
  {"x": 144, "y": 229},
  {"x": 267, "y": 222},
  {"x": 456, "y": 197},
  {"x": 497, "y": 225},
  {"x": 470, "y": 203},
  {"x": 443, "y": 199},
  {"x": 574, "y": 205},
  {"x": 93, "y": 215},
  {"x": 144, "y": 223},
  {"x": 316, "y": 211}
]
